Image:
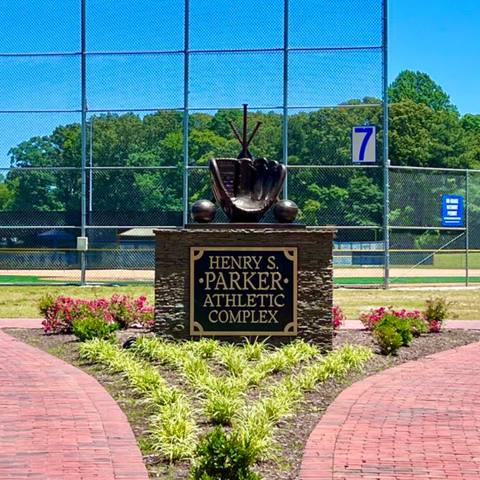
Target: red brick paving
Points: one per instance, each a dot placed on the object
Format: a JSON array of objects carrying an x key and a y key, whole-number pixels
[
  {"x": 419, "y": 420},
  {"x": 20, "y": 323},
  {"x": 57, "y": 422}
]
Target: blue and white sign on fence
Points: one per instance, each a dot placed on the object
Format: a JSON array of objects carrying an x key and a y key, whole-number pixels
[
  {"x": 364, "y": 144},
  {"x": 452, "y": 211}
]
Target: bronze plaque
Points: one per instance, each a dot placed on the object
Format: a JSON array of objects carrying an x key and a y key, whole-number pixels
[{"x": 243, "y": 291}]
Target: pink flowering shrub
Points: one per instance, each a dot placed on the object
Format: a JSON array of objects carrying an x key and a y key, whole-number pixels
[
  {"x": 59, "y": 313},
  {"x": 127, "y": 311},
  {"x": 434, "y": 326},
  {"x": 372, "y": 317},
  {"x": 338, "y": 317}
]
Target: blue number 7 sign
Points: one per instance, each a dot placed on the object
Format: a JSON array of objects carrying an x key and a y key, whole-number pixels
[{"x": 364, "y": 143}]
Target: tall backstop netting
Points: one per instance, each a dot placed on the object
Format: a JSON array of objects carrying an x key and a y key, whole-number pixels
[{"x": 111, "y": 109}]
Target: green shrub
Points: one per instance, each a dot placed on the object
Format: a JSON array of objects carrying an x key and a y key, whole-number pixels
[
  {"x": 401, "y": 325},
  {"x": 45, "y": 303},
  {"x": 388, "y": 339},
  {"x": 436, "y": 311},
  {"x": 224, "y": 457},
  {"x": 93, "y": 327},
  {"x": 418, "y": 327}
]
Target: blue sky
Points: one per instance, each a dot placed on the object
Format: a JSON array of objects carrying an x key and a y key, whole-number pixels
[
  {"x": 435, "y": 37},
  {"x": 440, "y": 38}
]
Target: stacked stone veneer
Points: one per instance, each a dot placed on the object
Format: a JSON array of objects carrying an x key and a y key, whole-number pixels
[{"x": 315, "y": 283}]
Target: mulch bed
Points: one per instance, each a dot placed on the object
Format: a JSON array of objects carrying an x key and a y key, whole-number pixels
[{"x": 292, "y": 434}]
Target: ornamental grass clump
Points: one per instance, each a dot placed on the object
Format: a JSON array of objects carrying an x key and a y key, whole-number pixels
[
  {"x": 283, "y": 399},
  {"x": 173, "y": 428},
  {"x": 233, "y": 358},
  {"x": 298, "y": 351},
  {"x": 254, "y": 350},
  {"x": 173, "y": 431},
  {"x": 194, "y": 369},
  {"x": 222, "y": 398},
  {"x": 155, "y": 349},
  {"x": 205, "y": 347},
  {"x": 253, "y": 425}
]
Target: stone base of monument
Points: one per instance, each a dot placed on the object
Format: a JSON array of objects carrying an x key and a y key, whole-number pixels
[{"x": 228, "y": 283}]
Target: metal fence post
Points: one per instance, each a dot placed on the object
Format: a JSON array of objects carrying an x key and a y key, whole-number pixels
[
  {"x": 83, "y": 262},
  {"x": 90, "y": 177},
  {"x": 467, "y": 229},
  {"x": 285, "y": 94},
  {"x": 386, "y": 162},
  {"x": 185, "y": 110}
]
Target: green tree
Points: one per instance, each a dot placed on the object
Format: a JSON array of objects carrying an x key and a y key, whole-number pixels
[
  {"x": 5, "y": 194},
  {"x": 421, "y": 136},
  {"x": 51, "y": 189},
  {"x": 420, "y": 88},
  {"x": 471, "y": 123}
]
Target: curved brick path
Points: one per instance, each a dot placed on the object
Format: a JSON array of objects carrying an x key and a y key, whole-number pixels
[
  {"x": 57, "y": 422},
  {"x": 419, "y": 420}
]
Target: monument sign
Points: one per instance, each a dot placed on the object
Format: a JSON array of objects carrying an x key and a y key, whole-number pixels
[{"x": 243, "y": 291}]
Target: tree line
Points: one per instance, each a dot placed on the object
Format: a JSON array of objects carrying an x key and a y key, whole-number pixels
[{"x": 426, "y": 130}]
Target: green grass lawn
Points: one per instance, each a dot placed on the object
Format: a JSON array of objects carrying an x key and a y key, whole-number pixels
[
  {"x": 456, "y": 260},
  {"x": 21, "y": 301},
  {"x": 403, "y": 280},
  {"x": 20, "y": 279}
]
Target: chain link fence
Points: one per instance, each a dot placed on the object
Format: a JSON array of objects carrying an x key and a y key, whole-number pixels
[
  {"x": 422, "y": 248},
  {"x": 111, "y": 110}
]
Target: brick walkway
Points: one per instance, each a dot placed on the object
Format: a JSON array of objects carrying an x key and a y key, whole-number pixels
[
  {"x": 57, "y": 422},
  {"x": 419, "y": 420},
  {"x": 20, "y": 323}
]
